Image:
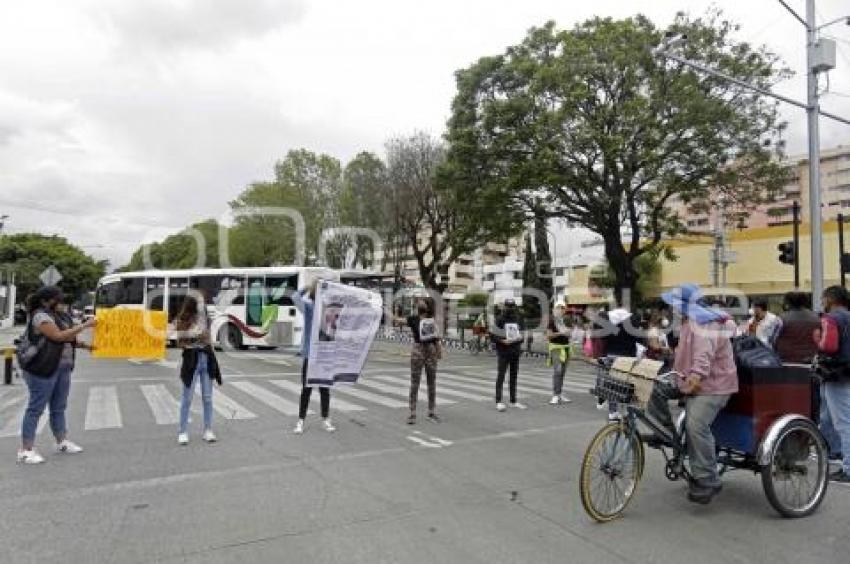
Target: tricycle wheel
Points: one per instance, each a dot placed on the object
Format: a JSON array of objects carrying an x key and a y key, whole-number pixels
[
  {"x": 795, "y": 479},
  {"x": 610, "y": 472}
]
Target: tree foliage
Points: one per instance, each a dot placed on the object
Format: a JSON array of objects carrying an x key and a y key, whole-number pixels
[
  {"x": 195, "y": 246},
  {"x": 28, "y": 254},
  {"x": 608, "y": 135}
]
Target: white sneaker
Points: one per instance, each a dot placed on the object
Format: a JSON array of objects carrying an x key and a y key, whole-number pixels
[
  {"x": 329, "y": 426},
  {"x": 209, "y": 436},
  {"x": 183, "y": 439},
  {"x": 68, "y": 447},
  {"x": 29, "y": 457},
  {"x": 501, "y": 406},
  {"x": 299, "y": 427},
  {"x": 518, "y": 405},
  {"x": 555, "y": 400},
  {"x": 565, "y": 399}
]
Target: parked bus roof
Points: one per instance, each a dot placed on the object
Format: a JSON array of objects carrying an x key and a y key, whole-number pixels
[{"x": 211, "y": 272}]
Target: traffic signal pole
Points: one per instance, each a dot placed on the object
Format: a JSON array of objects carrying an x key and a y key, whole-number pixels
[
  {"x": 840, "y": 220},
  {"x": 795, "y": 210}
]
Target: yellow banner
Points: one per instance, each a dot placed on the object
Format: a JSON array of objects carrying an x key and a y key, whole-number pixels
[{"x": 130, "y": 333}]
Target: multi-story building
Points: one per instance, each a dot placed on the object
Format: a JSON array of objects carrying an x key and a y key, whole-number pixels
[{"x": 835, "y": 196}]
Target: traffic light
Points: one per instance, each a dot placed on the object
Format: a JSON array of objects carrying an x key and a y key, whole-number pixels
[{"x": 787, "y": 252}]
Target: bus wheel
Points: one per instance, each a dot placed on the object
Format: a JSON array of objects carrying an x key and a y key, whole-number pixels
[{"x": 230, "y": 338}]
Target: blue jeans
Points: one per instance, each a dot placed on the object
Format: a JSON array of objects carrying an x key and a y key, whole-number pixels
[
  {"x": 202, "y": 373},
  {"x": 836, "y": 397},
  {"x": 50, "y": 391}
]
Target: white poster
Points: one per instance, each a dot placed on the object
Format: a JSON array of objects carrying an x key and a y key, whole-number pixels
[
  {"x": 345, "y": 320},
  {"x": 512, "y": 332}
]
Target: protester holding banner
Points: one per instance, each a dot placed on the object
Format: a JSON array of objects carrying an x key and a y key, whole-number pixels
[
  {"x": 47, "y": 359},
  {"x": 425, "y": 353},
  {"x": 198, "y": 366},
  {"x": 508, "y": 338},
  {"x": 305, "y": 302}
]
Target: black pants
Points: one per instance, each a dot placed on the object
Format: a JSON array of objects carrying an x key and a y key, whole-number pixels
[
  {"x": 507, "y": 359},
  {"x": 324, "y": 395}
]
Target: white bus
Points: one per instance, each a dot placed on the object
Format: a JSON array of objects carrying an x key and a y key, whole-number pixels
[{"x": 246, "y": 306}]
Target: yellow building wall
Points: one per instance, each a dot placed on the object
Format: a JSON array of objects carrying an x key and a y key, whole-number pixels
[{"x": 757, "y": 270}]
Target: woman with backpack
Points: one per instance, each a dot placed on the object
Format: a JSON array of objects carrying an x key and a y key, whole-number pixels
[
  {"x": 198, "y": 366},
  {"x": 47, "y": 360}
]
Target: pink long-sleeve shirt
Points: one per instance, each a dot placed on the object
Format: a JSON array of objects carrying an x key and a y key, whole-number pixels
[{"x": 705, "y": 351}]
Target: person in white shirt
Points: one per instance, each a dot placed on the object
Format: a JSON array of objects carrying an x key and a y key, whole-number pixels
[{"x": 764, "y": 325}]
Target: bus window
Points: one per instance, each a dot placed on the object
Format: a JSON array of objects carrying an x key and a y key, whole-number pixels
[
  {"x": 155, "y": 288},
  {"x": 231, "y": 292},
  {"x": 177, "y": 291},
  {"x": 278, "y": 289},
  {"x": 109, "y": 294},
  {"x": 133, "y": 290},
  {"x": 254, "y": 309},
  {"x": 209, "y": 285}
]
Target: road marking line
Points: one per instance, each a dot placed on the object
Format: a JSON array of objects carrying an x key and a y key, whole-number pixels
[
  {"x": 163, "y": 405},
  {"x": 170, "y": 364},
  {"x": 226, "y": 407},
  {"x": 441, "y": 389},
  {"x": 338, "y": 404},
  {"x": 265, "y": 396},
  {"x": 356, "y": 392},
  {"x": 432, "y": 438},
  {"x": 423, "y": 442},
  {"x": 103, "y": 410}
]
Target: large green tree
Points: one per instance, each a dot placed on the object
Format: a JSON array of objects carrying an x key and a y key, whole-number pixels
[
  {"x": 28, "y": 254},
  {"x": 608, "y": 134}
]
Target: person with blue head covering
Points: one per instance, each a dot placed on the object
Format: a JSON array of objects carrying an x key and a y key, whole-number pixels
[{"x": 706, "y": 376}]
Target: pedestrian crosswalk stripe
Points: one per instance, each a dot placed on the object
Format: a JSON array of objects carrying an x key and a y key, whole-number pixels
[
  {"x": 356, "y": 391},
  {"x": 265, "y": 396},
  {"x": 162, "y": 403},
  {"x": 102, "y": 410},
  {"x": 489, "y": 387},
  {"x": 441, "y": 390},
  {"x": 226, "y": 407},
  {"x": 404, "y": 391},
  {"x": 523, "y": 384},
  {"x": 270, "y": 358},
  {"x": 12, "y": 428},
  {"x": 338, "y": 404}
]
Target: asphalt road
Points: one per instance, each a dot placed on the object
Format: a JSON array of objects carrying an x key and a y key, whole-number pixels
[{"x": 479, "y": 487}]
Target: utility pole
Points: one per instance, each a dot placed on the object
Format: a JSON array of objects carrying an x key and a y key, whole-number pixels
[{"x": 812, "y": 110}]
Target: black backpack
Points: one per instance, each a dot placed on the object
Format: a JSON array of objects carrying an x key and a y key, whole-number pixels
[
  {"x": 37, "y": 354},
  {"x": 752, "y": 353}
]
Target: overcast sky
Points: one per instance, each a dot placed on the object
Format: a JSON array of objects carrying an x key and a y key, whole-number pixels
[{"x": 124, "y": 120}]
